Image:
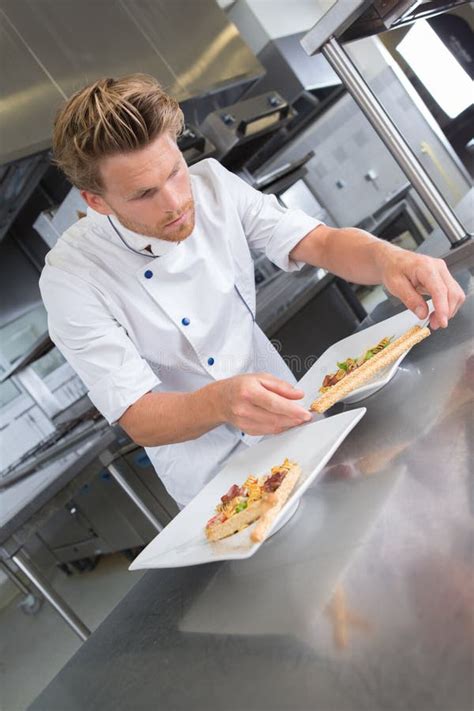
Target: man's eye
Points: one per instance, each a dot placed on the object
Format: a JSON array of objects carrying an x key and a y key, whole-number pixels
[{"x": 148, "y": 194}]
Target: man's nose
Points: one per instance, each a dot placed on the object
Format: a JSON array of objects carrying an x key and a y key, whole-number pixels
[{"x": 171, "y": 200}]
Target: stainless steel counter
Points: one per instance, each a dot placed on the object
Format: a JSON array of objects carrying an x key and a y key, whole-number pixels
[{"x": 362, "y": 602}]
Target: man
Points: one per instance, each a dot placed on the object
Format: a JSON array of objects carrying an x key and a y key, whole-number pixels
[{"x": 151, "y": 296}]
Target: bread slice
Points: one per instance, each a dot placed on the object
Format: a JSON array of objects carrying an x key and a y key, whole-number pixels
[
  {"x": 369, "y": 369},
  {"x": 273, "y": 503},
  {"x": 264, "y": 509},
  {"x": 236, "y": 522}
]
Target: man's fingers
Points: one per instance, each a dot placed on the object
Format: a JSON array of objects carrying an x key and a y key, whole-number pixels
[
  {"x": 445, "y": 288},
  {"x": 431, "y": 278},
  {"x": 452, "y": 298},
  {"x": 280, "y": 387},
  {"x": 266, "y": 423},
  {"x": 414, "y": 275},
  {"x": 407, "y": 293},
  {"x": 439, "y": 297},
  {"x": 278, "y": 405},
  {"x": 456, "y": 295}
]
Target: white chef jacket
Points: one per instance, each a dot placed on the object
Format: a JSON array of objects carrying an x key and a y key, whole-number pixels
[{"x": 130, "y": 322}]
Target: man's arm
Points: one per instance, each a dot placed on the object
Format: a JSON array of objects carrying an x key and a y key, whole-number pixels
[
  {"x": 359, "y": 257},
  {"x": 256, "y": 404}
]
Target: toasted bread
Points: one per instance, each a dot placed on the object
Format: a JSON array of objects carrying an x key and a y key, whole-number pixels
[
  {"x": 369, "y": 369},
  {"x": 237, "y": 522},
  {"x": 274, "y": 503},
  {"x": 264, "y": 510}
]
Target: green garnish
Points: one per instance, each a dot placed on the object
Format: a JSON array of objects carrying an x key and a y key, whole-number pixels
[
  {"x": 240, "y": 507},
  {"x": 343, "y": 366}
]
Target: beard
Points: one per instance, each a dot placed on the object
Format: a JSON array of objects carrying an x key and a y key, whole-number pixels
[{"x": 163, "y": 230}]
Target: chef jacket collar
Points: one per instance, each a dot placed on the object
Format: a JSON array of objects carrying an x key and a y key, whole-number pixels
[
  {"x": 127, "y": 238},
  {"x": 134, "y": 240}
]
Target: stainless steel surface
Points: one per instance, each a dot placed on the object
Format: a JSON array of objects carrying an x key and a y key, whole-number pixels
[
  {"x": 60, "y": 444},
  {"x": 41, "y": 394},
  {"x": 462, "y": 257},
  {"x": 42, "y": 345},
  {"x": 51, "y": 49},
  {"x": 231, "y": 127},
  {"x": 202, "y": 49},
  {"x": 130, "y": 491},
  {"x": 16, "y": 580},
  {"x": 388, "y": 527},
  {"x": 17, "y": 180},
  {"x": 352, "y": 19},
  {"x": 291, "y": 71},
  {"x": 347, "y": 147},
  {"x": 28, "y": 96},
  {"x": 285, "y": 294},
  {"x": 338, "y": 17},
  {"x": 383, "y": 15},
  {"x": 23, "y": 502},
  {"x": 72, "y": 509},
  {"x": 25, "y": 429},
  {"x": 388, "y": 132},
  {"x": 50, "y": 224},
  {"x": 60, "y": 605}
]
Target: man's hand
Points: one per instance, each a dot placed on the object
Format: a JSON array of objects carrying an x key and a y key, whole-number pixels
[
  {"x": 361, "y": 258},
  {"x": 260, "y": 403},
  {"x": 407, "y": 275}
]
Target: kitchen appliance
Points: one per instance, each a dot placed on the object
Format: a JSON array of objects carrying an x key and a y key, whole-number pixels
[
  {"x": 309, "y": 84},
  {"x": 194, "y": 145},
  {"x": 239, "y": 130}
]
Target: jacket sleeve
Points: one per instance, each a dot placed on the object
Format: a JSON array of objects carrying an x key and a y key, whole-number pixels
[
  {"x": 269, "y": 226},
  {"x": 95, "y": 345}
]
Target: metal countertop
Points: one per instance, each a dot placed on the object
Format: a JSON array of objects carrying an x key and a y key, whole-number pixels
[
  {"x": 362, "y": 602},
  {"x": 25, "y": 498}
]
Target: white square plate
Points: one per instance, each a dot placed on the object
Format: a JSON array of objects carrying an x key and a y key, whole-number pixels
[
  {"x": 353, "y": 347},
  {"x": 183, "y": 542}
]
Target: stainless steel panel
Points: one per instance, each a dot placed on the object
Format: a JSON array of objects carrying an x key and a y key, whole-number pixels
[
  {"x": 290, "y": 70},
  {"x": 201, "y": 47},
  {"x": 28, "y": 98},
  {"x": 51, "y": 48},
  {"x": 81, "y": 41},
  {"x": 335, "y": 20}
]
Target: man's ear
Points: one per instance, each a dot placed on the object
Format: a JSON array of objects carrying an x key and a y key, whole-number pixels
[{"x": 96, "y": 202}]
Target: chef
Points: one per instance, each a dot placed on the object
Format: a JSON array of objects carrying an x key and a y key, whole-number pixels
[{"x": 151, "y": 296}]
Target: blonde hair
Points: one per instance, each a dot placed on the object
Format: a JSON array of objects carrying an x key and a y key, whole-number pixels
[{"x": 108, "y": 117}]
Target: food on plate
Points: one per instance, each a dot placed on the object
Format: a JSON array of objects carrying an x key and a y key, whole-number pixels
[
  {"x": 258, "y": 499},
  {"x": 350, "y": 364},
  {"x": 369, "y": 368}
]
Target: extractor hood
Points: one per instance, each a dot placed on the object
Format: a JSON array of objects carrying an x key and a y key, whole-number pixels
[{"x": 50, "y": 49}]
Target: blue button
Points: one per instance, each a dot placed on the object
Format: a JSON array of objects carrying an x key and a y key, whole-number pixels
[
  {"x": 243, "y": 434},
  {"x": 148, "y": 274},
  {"x": 185, "y": 321},
  {"x": 210, "y": 361}
]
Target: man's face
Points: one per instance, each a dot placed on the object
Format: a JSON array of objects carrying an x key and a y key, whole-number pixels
[{"x": 148, "y": 190}]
